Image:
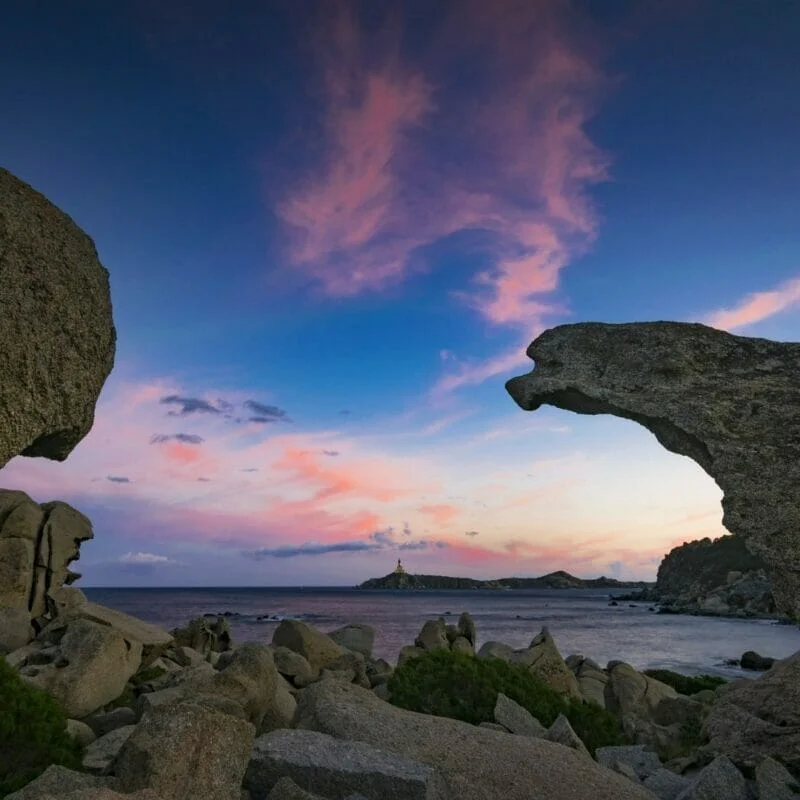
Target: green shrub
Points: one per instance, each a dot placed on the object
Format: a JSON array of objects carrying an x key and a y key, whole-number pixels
[
  {"x": 686, "y": 684},
  {"x": 33, "y": 732},
  {"x": 464, "y": 687}
]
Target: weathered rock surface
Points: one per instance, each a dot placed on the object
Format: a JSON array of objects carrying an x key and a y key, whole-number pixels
[
  {"x": 775, "y": 782},
  {"x": 99, "y": 757},
  {"x": 15, "y": 629},
  {"x": 336, "y": 768},
  {"x": 642, "y": 761},
  {"x": 730, "y": 403},
  {"x": 561, "y": 732},
  {"x": 316, "y": 647},
  {"x": 204, "y": 635},
  {"x": 476, "y": 763},
  {"x": 292, "y": 665},
  {"x": 757, "y": 718},
  {"x": 547, "y": 663},
  {"x": 665, "y": 784},
  {"x": 80, "y": 732},
  {"x": 186, "y": 751},
  {"x": 433, "y": 636},
  {"x": 58, "y": 781},
  {"x": 630, "y": 691},
  {"x": 57, "y": 337},
  {"x": 37, "y": 545},
  {"x": 152, "y": 640},
  {"x": 719, "y": 779},
  {"x": 91, "y": 666},
  {"x": 357, "y": 637},
  {"x": 287, "y": 789},
  {"x": 513, "y": 717}
]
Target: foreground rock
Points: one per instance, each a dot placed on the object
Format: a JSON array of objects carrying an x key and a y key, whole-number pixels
[
  {"x": 476, "y": 763},
  {"x": 90, "y": 667},
  {"x": 336, "y": 768},
  {"x": 753, "y": 719},
  {"x": 57, "y": 337},
  {"x": 728, "y": 402},
  {"x": 317, "y": 648},
  {"x": 37, "y": 545},
  {"x": 186, "y": 751}
]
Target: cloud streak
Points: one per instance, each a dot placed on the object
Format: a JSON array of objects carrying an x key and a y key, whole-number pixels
[{"x": 756, "y": 307}]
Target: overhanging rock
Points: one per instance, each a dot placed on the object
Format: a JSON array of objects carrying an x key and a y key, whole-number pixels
[{"x": 730, "y": 403}]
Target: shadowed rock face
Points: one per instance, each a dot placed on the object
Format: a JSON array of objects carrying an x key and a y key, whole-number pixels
[
  {"x": 57, "y": 337},
  {"x": 730, "y": 403}
]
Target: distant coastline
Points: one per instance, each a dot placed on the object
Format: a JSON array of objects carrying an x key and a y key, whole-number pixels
[{"x": 553, "y": 580}]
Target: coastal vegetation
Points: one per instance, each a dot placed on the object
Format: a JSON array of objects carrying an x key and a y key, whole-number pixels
[
  {"x": 33, "y": 732},
  {"x": 458, "y": 685},
  {"x": 686, "y": 684}
]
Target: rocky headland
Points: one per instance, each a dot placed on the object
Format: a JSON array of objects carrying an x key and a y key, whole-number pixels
[
  {"x": 712, "y": 577},
  {"x": 553, "y": 580},
  {"x": 98, "y": 705}
]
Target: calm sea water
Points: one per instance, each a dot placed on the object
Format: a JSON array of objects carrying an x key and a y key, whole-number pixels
[{"x": 581, "y": 621}]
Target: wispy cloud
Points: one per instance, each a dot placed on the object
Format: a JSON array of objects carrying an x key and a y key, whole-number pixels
[
  {"x": 118, "y": 479},
  {"x": 412, "y": 159},
  {"x": 183, "y": 438},
  {"x": 262, "y": 412},
  {"x": 756, "y": 307},
  {"x": 144, "y": 558},
  {"x": 189, "y": 405}
]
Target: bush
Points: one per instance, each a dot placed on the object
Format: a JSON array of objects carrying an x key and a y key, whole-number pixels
[
  {"x": 33, "y": 732},
  {"x": 464, "y": 687},
  {"x": 685, "y": 684}
]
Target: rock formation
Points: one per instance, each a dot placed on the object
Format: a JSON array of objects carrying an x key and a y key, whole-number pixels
[
  {"x": 717, "y": 577},
  {"x": 37, "y": 545},
  {"x": 57, "y": 336},
  {"x": 730, "y": 403}
]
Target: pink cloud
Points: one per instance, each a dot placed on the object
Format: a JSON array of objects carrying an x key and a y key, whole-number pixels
[
  {"x": 441, "y": 514},
  {"x": 412, "y": 158},
  {"x": 757, "y": 307}
]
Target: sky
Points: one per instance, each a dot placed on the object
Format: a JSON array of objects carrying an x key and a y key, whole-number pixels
[{"x": 332, "y": 229}]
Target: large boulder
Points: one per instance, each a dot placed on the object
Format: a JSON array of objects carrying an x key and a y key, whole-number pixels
[
  {"x": 476, "y": 763},
  {"x": 185, "y": 751},
  {"x": 337, "y": 768},
  {"x": 15, "y": 629},
  {"x": 152, "y": 640},
  {"x": 58, "y": 781},
  {"x": 90, "y": 667},
  {"x": 316, "y": 647},
  {"x": 204, "y": 635},
  {"x": 357, "y": 637},
  {"x": 37, "y": 545},
  {"x": 57, "y": 337},
  {"x": 629, "y": 691},
  {"x": 433, "y": 636},
  {"x": 728, "y": 402},
  {"x": 753, "y": 719},
  {"x": 544, "y": 660}
]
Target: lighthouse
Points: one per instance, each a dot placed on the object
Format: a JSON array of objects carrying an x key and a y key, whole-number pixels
[{"x": 399, "y": 569}]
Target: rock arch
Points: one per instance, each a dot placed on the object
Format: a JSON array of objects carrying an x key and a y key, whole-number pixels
[{"x": 731, "y": 403}]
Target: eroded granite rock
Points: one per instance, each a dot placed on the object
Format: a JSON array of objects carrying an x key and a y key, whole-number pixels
[
  {"x": 730, "y": 403},
  {"x": 57, "y": 336}
]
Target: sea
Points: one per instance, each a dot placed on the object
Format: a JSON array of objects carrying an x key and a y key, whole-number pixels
[{"x": 581, "y": 621}]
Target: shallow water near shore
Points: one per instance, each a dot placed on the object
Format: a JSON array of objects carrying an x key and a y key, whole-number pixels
[{"x": 581, "y": 621}]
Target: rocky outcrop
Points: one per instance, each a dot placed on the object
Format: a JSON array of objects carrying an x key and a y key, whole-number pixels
[
  {"x": 753, "y": 719},
  {"x": 715, "y": 577},
  {"x": 336, "y": 768},
  {"x": 730, "y": 403},
  {"x": 37, "y": 545},
  {"x": 86, "y": 668},
  {"x": 317, "y": 648},
  {"x": 476, "y": 763},
  {"x": 57, "y": 336},
  {"x": 204, "y": 635},
  {"x": 186, "y": 750}
]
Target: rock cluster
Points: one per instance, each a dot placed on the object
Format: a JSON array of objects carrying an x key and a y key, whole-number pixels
[{"x": 730, "y": 403}]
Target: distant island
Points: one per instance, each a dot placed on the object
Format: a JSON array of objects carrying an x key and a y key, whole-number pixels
[{"x": 400, "y": 579}]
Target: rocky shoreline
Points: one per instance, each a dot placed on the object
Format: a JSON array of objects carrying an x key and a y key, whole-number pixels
[{"x": 106, "y": 707}]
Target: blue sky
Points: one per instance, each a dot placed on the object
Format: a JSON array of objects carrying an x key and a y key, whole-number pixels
[{"x": 339, "y": 228}]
